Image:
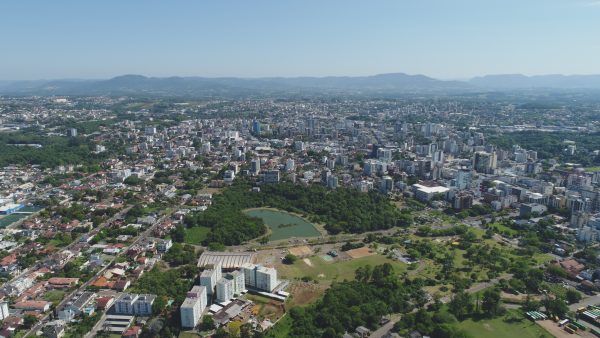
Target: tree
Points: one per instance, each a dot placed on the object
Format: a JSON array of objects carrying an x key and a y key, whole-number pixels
[
  {"x": 178, "y": 234},
  {"x": 207, "y": 323},
  {"x": 289, "y": 259},
  {"x": 556, "y": 306},
  {"x": 29, "y": 321},
  {"x": 573, "y": 296},
  {"x": 491, "y": 302},
  {"x": 461, "y": 305},
  {"x": 159, "y": 304},
  {"x": 531, "y": 304}
]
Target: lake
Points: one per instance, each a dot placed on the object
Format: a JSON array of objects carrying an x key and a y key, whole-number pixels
[{"x": 284, "y": 225}]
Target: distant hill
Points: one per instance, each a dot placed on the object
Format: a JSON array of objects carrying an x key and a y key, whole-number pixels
[
  {"x": 519, "y": 81},
  {"x": 383, "y": 84},
  {"x": 200, "y": 86}
]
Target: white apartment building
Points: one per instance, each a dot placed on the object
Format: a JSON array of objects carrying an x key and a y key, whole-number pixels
[
  {"x": 193, "y": 306},
  {"x": 210, "y": 277},
  {"x": 225, "y": 290},
  {"x": 260, "y": 277},
  {"x": 134, "y": 304}
]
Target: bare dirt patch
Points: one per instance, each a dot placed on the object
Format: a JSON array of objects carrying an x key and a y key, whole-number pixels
[
  {"x": 360, "y": 252},
  {"x": 559, "y": 332},
  {"x": 308, "y": 262},
  {"x": 305, "y": 293},
  {"x": 301, "y": 251}
]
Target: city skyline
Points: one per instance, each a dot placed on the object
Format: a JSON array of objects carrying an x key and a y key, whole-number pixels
[{"x": 456, "y": 40}]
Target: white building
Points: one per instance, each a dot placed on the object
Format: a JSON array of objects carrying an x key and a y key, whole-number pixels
[
  {"x": 210, "y": 276},
  {"x": 134, "y": 304},
  {"x": 3, "y": 310},
  {"x": 260, "y": 277},
  {"x": 225, "y": 290},
  {"x": 193, "y": 306}
]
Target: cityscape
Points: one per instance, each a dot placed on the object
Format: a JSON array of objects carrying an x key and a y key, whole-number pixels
[{"x": 275, "y": 170}]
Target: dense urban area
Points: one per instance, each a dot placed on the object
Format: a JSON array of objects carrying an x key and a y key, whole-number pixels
[{"x": 450, "y": 216}]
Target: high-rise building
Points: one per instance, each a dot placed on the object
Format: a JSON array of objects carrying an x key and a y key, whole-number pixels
[
  {"x": 210, "y": 276},
  {"x": 255, "y": 167},
  {"x": 386, "y": 184},
  {"x": 384, "y": 155},
  {"x": 290, "y": 164},
  {"x": 256, "y": 127},
  {"x": 484, "y": 162},
  {"x": 260, "y": 277},
  {"x": 193, "y": 306},
  {"x": 225, "y": 290},
  {"x": 3, "y": 310},
  {"x": 72, "y": 132},
  {"x": 332, "y": 182},
  {"x": 271, "y": 176}
]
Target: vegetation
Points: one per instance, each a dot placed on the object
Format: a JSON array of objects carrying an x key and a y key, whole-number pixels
[
  {"x": 55, "y": 150},
  {"x": 341, "y": 210},
  {"x": 173, "y": 284},
  {"x": 375, "y": 292}
]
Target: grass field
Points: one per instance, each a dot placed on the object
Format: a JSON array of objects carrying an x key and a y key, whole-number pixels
[
  {"x": 592, "y": 169},
  {"x": 196, "y": 235},
  {"x": 338, "y": 270},
  {"x": 282, "y": 329},
  {"x": 503, "y": 229},
  {"x": 187, "y": 335},
  {"x": 498, "y": 328},
  {"x": 54, "y": 296}
]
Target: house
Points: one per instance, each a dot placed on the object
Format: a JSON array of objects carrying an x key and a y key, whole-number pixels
[
  {"x": 164, "y": 245},
  {"x": 55, "y": 329},
  {"x": 62, "y": 283},
  {"x": 104, "y": 303},
  {"x": 122, "y": 284},
  {"x": 80, "y": 303},
  {"x": 33, "y": 305}
]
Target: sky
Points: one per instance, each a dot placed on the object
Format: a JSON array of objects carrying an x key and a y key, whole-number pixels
[{"x": 446, "y": 39}]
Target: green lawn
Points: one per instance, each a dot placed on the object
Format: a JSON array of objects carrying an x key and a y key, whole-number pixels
[
  {"x": 54, "y": 296},
  {"x": 338, "y": 270},
  {"x": 503, "y": 229},
  {"x": 281, "y": 329},
  {"x": 592, "y": 169},
  {"x": 188, "y": 335},
  {"x": 196, "y": 235},
  {"x": 498, "y": 328}
]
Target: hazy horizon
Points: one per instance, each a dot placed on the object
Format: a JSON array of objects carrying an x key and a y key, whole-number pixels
[{"x": 440, "y": 39}]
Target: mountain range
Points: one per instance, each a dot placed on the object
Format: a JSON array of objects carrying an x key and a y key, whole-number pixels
[{"x": 394, "y": 83}]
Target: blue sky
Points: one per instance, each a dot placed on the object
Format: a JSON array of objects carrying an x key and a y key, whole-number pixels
[{"x": 251, "y": 38}]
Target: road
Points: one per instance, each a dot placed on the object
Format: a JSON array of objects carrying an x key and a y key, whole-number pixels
[{"x": 141, "y": 237}]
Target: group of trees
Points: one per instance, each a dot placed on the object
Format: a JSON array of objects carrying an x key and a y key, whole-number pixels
[
  {"x": 172, "y": 284},
  {"x": 180, "y": 255},
  {"x": 55, "y": 150},
  {"x": 377, "y": 291},
  {"x": 341, "y": 210}
]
